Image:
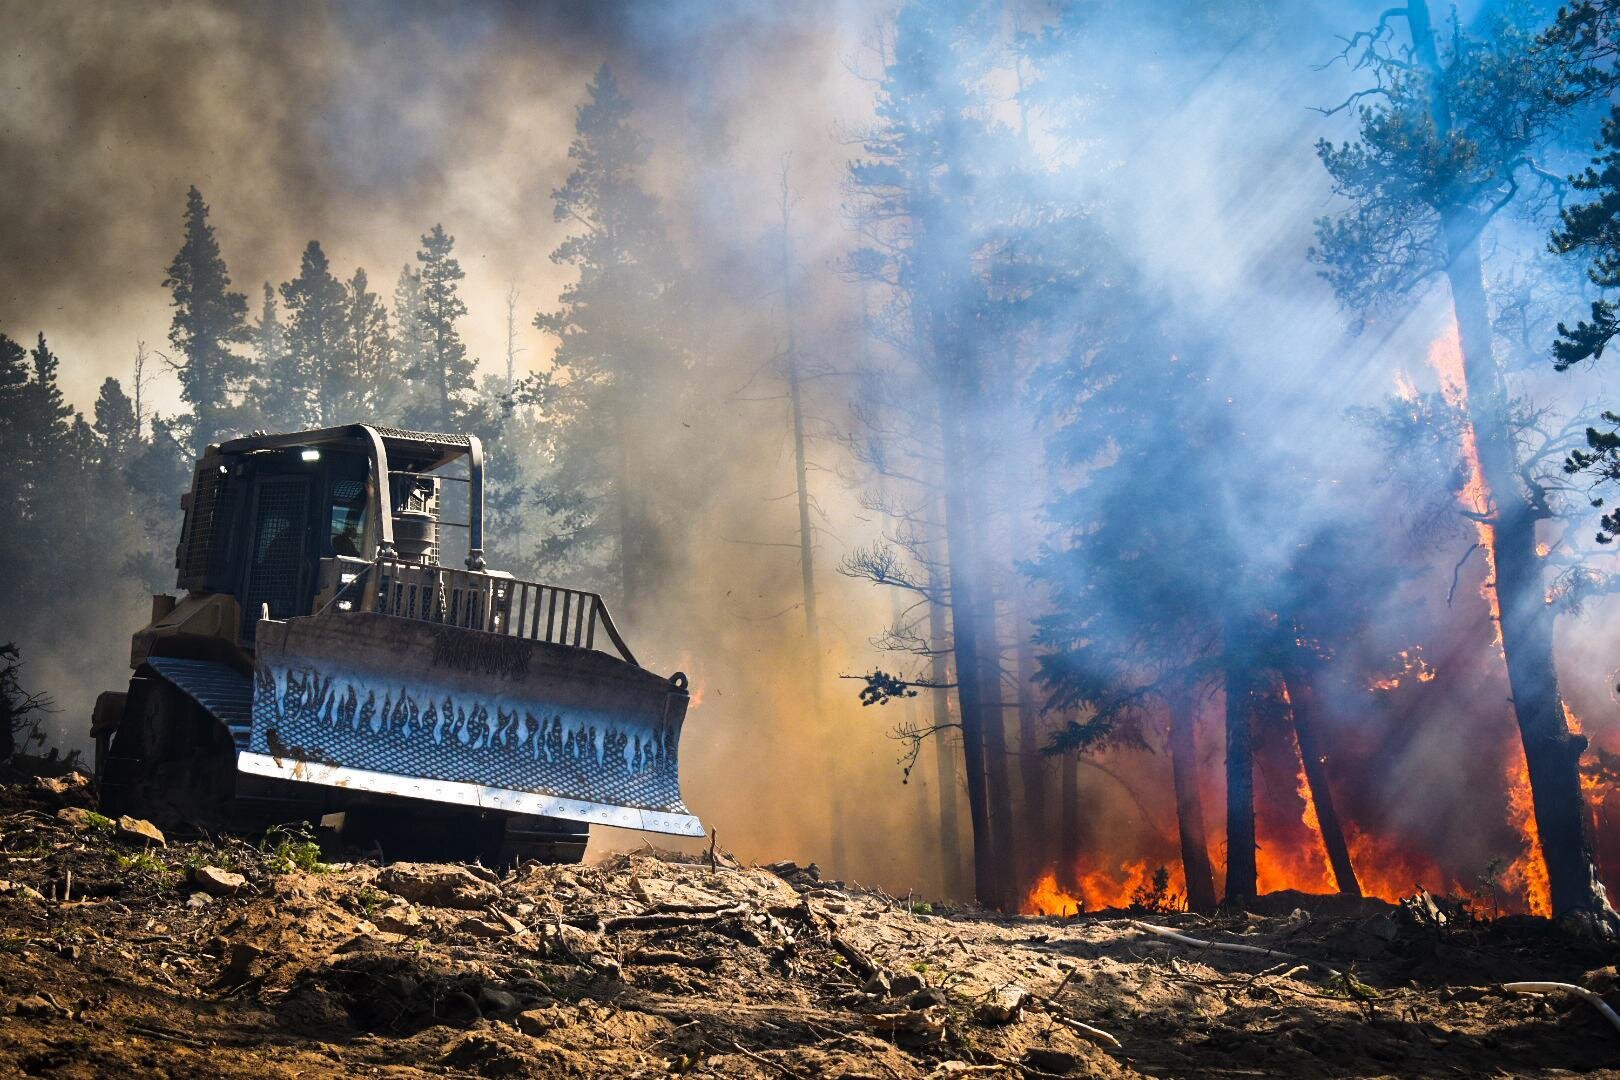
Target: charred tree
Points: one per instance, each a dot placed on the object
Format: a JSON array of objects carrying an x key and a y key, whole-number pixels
[
  {"x": 1194, "y": 836},
  {"x": 1301, "y": 697},
  {"x": 1242, "y": 875}
]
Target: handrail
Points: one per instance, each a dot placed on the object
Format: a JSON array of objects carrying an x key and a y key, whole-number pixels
[{"x": 494, "y": 604}]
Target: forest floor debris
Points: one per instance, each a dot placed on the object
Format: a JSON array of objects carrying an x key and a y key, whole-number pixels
[{"x": 229, "y": 959}]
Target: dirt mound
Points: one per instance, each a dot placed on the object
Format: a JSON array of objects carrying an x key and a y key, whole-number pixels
[{"x": 119, "y": 953}]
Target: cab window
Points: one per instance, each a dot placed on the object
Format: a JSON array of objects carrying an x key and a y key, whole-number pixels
[{"x": 350, "y": 506}]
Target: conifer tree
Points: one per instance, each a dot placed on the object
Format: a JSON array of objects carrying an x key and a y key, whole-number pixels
[
  {"x": 408, "y": 342},
  {"x": 115, "y": 422},
  {"x": 15, "y": 390},
  {"x": 929, "y": 163},
  {"x": 615, "y": 331},
  {"x": 315, "y": 340},
  {"x": 367, "y": 388},
  {"x": 1452, "y": 140},
  {"x": 47, "y": 417},
  {"x": 272, "y": 396},
  {"x": 442, "y": 372},
  {"x": 209, "y": 321}
]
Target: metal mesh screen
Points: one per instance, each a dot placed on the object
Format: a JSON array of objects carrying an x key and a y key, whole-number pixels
[
  {"x": 276, "y": 561},
  {"x": 204, "y": 521}
]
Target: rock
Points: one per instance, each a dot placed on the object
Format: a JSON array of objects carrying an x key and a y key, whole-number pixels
[
  {"x": 141, "y": 831},
  {"x": 1003, "y": 1006},
  {"x": 878, "y": 985},
  {"x": 482, "y": 928},
  {"x": 242, "y": 956},
  {"x": 398, "y": 918},
  {"x": 19, "y": 890},
  {"x": 78, "y": 817},
  {"x": 438, "y": 885},
  {"x": 217, "y": 882},
  {"x": 905, "y": 984},
  {"x": 538, "y": 1021},
  {"x": 491, "y": 1000},
  {"x": 928, "y": 1023},
  {"x": 927, "y": 997},
  {"x": 37, "y": 1005},
  {"x": 64, "y": 788}
]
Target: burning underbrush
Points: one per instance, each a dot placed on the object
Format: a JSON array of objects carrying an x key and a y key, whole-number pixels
[{"x": 122, "y": 953}]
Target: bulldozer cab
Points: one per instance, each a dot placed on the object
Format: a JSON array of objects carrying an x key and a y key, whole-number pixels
[{"x": 282, "y": 522}]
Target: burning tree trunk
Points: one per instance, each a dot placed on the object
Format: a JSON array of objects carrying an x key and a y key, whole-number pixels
[
  {"x": 1302, "y": 708},
  {"x": 1508, "y": 531},
  {"x": 1242, "y": 875},
  {"x": 1552, "y": 753},
  {"x": 1195, "y": 864}
]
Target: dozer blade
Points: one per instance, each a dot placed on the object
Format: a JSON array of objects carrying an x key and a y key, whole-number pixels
[{"x": 405, "y": 707}]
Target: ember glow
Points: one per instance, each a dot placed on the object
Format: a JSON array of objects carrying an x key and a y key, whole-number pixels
[{"x": 1413, "y": 666}]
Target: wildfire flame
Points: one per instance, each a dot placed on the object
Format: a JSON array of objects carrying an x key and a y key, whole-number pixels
[
  {"x": 1445, "y": 357},
  {"x": 1305, "y": 868},
  {"x": 1094, "y": 889},
  {"x": 1526, "y": 874},
  {"x": 1412, "y": 664},
  {"x": 1391, "y": 873}
]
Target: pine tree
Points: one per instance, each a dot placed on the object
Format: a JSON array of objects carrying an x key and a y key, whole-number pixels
[
  {"x": 48, "y": 412},
  {"x": 315, "y": 339},
  {"x": 442, "y": 373},
  {"x": 274, "y": 393},
  {"x": 1439, "y": 156},
  {"x": 615, "y": 330},
  {"x": 115, "y": 422},
  {"x": 16, "y": 387},
  {"x": 208, "y": 321},
  {"x": 408, "y": 342},
  {"x": 369, "y": 389},
  {"x": 930, "y": 159}
]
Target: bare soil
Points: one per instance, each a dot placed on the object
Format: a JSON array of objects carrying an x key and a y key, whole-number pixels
[{"x": 115, "y": 960}]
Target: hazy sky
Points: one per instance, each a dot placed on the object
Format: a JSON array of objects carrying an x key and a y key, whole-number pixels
[{"x": 361, "y": 125}]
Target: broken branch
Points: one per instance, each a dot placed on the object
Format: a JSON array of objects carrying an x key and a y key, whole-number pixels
[{"x": 1566, "y": 988}]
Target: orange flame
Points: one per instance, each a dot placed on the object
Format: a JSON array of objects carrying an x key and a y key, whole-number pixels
[
  {"x": 1445, "y": 356},
  {"x": 1413, "y": 664},
  {"x": 1096, "y": 889},
  {"x": 1526, "y": 874},
  {"x": 1306, "y": 869},
  {"x": 1390, "y": 873}
]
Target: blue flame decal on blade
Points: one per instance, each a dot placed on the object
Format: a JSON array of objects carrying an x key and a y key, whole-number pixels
[{"x": 361, "y": 721}]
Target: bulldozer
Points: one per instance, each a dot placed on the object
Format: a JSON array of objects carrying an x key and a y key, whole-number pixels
[{"x": 324, "y": 666}]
